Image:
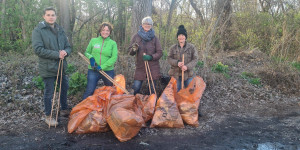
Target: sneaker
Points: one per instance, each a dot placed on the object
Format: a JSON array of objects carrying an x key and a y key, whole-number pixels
[
  {"x": 51, "y": 122},
  {"x": 65, "y": 113}
]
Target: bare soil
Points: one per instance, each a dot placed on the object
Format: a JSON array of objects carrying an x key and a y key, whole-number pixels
[{"x": 235, "y": 113}]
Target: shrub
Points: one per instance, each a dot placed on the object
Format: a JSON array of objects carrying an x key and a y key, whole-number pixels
[
  {"x": 38, "y": 82},
  {"x": 71, "y": 69},
  {"x": 200, "y": 64},
  {"x": 221, "y": 68},
  {"x": 77, "y": 83}
]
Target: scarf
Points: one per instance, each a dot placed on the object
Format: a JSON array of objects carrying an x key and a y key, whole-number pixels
[{"x": 146, "y": 36}]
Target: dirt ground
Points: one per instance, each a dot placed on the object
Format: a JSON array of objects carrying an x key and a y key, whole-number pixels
[{"x": 235, "y": 114}]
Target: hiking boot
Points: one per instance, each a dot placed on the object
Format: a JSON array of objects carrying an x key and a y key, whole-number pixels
[
  {"x": 65, "y": 113},
  {"x": 51, "y": 122}
]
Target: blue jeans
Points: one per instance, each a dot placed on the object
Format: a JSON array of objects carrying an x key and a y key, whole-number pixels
[
  {"x": 49, "y": 90},
  {"x": 137, "y": 84},
  {"x": 186, "y": 82},
  {"x": 92, "y": 79}
]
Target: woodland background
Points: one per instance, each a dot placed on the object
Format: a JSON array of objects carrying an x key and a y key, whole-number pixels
[{"x": 214, "y": 26}]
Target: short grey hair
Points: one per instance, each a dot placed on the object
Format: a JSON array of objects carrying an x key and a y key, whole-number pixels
[{"x": 147, "y": 20}]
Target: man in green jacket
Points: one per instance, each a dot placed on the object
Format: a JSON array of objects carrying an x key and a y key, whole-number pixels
[{"x": 51, "y": 45}]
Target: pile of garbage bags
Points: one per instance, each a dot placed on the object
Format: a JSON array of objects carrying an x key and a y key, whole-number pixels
[{"x": 110, "y": 109}]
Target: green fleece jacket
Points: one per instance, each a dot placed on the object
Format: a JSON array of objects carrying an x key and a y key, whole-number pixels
[{"x": 104, "y": 51}]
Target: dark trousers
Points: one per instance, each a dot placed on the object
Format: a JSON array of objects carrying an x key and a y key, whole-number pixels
[
  {"x": 49, "y": 90},
  {"x": 137, "y": 84},
  {"x": 92, "y": 79}
]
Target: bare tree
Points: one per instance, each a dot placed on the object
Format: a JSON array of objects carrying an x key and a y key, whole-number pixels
[
  {"x": 198, "y": 12},
  {"x": 64, "y": 16},
  {"x": 168, "y": 27},
  {"x": 141, "y": 9},
  {"x": 23, "y": 21}
]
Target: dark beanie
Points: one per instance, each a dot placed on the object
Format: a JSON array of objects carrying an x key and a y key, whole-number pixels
[{"x": 182, "y": 30}]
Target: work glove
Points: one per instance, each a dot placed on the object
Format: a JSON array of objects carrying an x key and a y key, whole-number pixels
[
  {"x": 147, "y": 57},
  {"x": 92, "y": 62},
  {"x": 98, "y": 68},
  {"x": 135, "y": 47}
]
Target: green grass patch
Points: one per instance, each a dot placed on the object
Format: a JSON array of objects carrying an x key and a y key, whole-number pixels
[
  {"x": 296, "y": 65},
  {"x": 250, "y": 77}
]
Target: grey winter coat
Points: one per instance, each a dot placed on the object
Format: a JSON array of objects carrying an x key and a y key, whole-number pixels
[{"x": 46, "y": 43}]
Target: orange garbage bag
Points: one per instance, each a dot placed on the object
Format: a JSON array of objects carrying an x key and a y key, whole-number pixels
[
  {"x": 95, "y": 102},
  {"x": 120, "y": 79},
  {"x": 96, "y": 105},
  {"x": 188, "y": 101},
  {"x": 146, "y": 104},
  {"x": 167, "y": 113},
  {"x": 93, "y": 122},
  {"x": 123, "y": 118}
]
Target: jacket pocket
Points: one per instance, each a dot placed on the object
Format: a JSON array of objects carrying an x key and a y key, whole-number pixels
[{"x": 52, "y": 65}]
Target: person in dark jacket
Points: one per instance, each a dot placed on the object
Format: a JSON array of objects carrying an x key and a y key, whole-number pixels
[
  {"x": 175, "y": 58},
  {"x": 51, "y": 45},
  {"x": 146, "y": 42},
  {"x": 103, "y": 53}
]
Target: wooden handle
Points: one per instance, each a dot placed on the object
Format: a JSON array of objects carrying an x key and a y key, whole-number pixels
[{"x": 182, "y": 73}]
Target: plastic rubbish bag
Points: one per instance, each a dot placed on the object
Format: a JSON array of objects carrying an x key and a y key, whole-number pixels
[
  {"x": 188, "y": 101},
  {"x": 167, "y": 113},
  {"x": 122, "y": 117}
]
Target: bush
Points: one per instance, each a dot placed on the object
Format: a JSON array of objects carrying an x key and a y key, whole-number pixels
[
  {"x": 71, "y": 69},
  {"x": 221, "y": 68},
  {"x": 78, "y": 82},
  {"x": 38, "y": 82},
  {"x": 200, "y": 64}
]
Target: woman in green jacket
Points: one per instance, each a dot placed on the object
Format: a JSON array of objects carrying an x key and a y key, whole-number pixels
[{"x": 103, "y": 53}]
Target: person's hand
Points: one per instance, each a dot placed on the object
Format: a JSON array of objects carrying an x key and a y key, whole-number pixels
[
  {"x": 92, "y": 62},
  {"x": 147, "y": 57},
  {"x": 62, "y": 54},
  {"x": 183, "y": 68},
  {"x": 135, "y": 47},
  {"x": 98, "y": 68},
  {"x": 180, "y": 64}
]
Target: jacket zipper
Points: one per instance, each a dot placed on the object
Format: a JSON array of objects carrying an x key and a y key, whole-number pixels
[{"x": 101, "y": 52}]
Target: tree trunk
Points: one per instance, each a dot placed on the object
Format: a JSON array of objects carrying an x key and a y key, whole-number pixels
[
  {"x": 168, "y": 25},
  {"x": 3, "y": 18},
  {"x": 23, "y": 27},
  {"x": 141, "y": 9},
  {"x": 198, "y": 12},
  {"x": 64, "y": 17},
  {"x": 121, "y": 23}
]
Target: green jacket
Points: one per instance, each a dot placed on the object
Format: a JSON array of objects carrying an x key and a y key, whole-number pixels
[
  {"x": 104, "y": 51},
  {"x": 46, "y": 43}
]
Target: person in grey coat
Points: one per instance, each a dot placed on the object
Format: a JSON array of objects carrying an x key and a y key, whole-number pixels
[{"x": 51, "y": 45}]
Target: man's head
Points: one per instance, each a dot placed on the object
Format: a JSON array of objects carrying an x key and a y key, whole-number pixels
[{"x": 50, "y": 15}]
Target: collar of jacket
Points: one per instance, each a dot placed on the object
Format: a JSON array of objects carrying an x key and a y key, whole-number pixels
[
  {"x": 100, "y": 38},
  {"x": 184, "y": 46},
  {"x": 178, "y": 45},
  {"x": 44, "y": 24}
]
